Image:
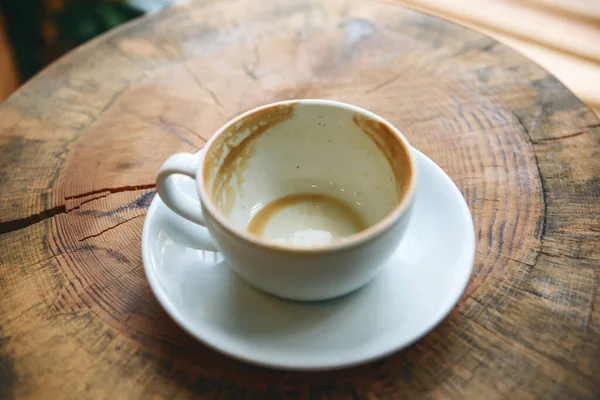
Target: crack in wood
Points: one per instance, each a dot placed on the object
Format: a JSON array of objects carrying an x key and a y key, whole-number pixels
[
  {"x": 520, "y": 261},
  {"x": 17, "y": 224},
  {"x": 169, "y": 122},
  {"x": 542, "y": 187},
  {"x": 561, "y": 255},
  {"x": 166, "y": 128},
  {"x": 109, "y": 228},
  {"x": 552, "y": 139},
  {"x": 116, "y": 279},
  {"x": 110, "y": 102},
  {"x": 112, "y": 190},
  {"x": 25, "y": 311},
  {"x": 212, "y": 94},
  {"x": 384, "y": 83},
  {"x": 250, "y": 73},
  {"x": 489, "y": 47},
  {"x": 251, "y": 70},
  {"x": 56, "y": 255},
  {"x": 473, "y": 49},
  {"x": 104, "y": 194},
  {"x": 141, "y": 202}
]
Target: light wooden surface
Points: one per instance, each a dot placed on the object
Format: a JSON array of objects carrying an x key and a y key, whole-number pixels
[
  {"x": 562, "y": 36},
  {"x": 81, "y": 144}
]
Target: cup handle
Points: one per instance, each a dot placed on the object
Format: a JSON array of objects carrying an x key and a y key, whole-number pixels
[{"x": 183, "y": 164}]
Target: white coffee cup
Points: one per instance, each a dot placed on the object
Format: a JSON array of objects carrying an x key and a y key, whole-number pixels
[{"x": 305, "y": 199}]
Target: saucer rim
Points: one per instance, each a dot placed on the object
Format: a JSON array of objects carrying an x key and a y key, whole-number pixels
[{"x": 281, "y": 363}]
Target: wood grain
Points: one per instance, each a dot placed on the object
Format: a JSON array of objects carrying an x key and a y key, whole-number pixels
[{"x": 82, "y": 142}]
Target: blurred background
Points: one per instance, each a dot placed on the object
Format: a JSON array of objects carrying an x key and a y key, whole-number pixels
[{"x": 561, "y": 35}]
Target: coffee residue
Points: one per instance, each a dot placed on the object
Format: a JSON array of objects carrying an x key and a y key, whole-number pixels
[
  {"x": 258, "y": 223},
  {"x": 391, "y": 147},
  {"x": 221, "y": 188}
]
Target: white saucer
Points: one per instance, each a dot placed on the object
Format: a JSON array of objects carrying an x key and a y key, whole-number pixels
[{"x": 421, "y": 283}]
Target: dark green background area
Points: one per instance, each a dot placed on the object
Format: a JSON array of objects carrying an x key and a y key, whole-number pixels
[{"x": 71, "y": 22}]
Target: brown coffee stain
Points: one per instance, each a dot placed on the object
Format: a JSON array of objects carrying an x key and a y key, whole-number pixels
[
  {"x": 257, "y": 224},
  {"x": 390, "y": 146},
  {"x": 221, "y": 189}
]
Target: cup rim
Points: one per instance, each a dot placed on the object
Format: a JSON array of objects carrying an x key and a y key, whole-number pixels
[{"x": 352, "y": 241}]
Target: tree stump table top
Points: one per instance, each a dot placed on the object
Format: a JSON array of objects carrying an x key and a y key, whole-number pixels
[{"x": 82, "y": 141}]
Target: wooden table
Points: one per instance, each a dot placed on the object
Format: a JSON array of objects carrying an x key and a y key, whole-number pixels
[{"x": 82, "y": 142}]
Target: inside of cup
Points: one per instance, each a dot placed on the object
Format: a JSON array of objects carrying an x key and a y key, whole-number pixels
[{"x": 306, "y": 173}]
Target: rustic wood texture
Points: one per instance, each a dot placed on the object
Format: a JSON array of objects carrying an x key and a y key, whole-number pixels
[{"x": 80, "y": 145}]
